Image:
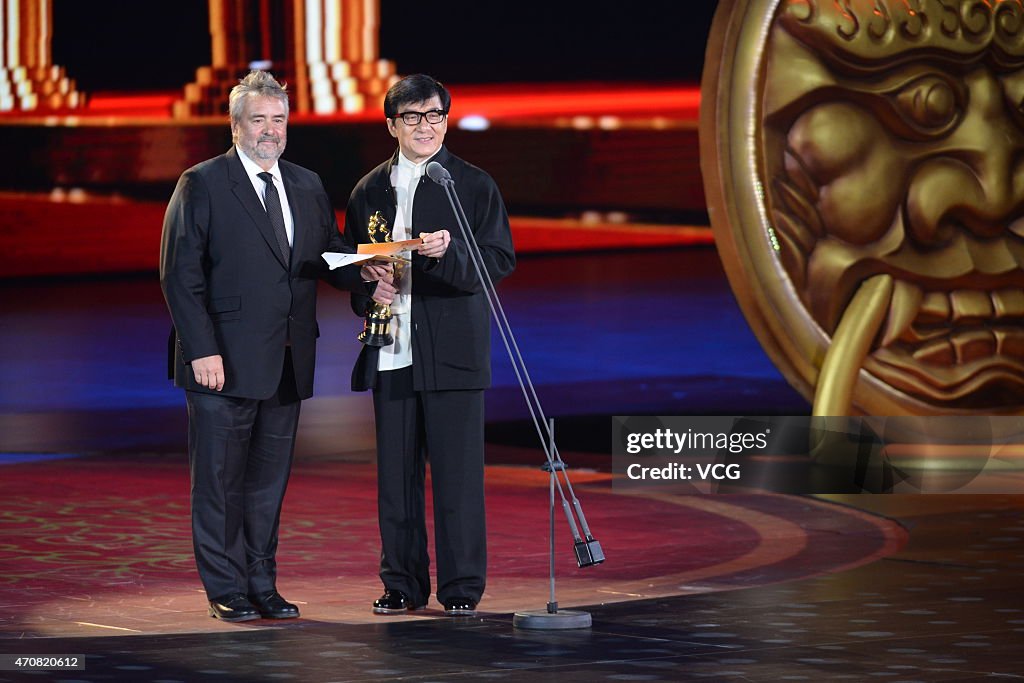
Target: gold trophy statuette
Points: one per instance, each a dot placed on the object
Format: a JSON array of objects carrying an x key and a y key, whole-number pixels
[{"x": 377, "y": 325}]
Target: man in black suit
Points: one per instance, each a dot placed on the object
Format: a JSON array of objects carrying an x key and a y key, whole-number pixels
[
  {"x": 239, "y": 258},
  {"x": 428, "y": 385}
]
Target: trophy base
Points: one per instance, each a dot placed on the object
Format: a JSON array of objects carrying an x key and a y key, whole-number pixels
[
  {"x": 371, "y": 339},
  {"x": 376, "y": 335},
  {"x": 377, "y": 326}
]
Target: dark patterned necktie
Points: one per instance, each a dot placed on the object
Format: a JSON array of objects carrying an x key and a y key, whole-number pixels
[{"x": 276, "y": 215}]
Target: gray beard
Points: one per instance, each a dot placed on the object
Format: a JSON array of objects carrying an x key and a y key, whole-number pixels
[{"x": 257, "y": 153}]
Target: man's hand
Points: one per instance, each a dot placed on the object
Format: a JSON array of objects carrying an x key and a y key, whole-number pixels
[
  {"x": 384, "y": 275},
  {"x": 372, "y": 272},
  {"x": 435, "y": 244},
  {"x": 385, "y": 292},
  {"x": 209, "y": 371}
]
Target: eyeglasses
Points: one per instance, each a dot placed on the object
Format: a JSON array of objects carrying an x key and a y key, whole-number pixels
[{"x": 412, "y": 118}]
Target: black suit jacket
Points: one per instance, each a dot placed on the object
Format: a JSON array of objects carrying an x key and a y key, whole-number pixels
[
  {"x": 227, "y": 286},
  {"x": 451, "y": 328}
]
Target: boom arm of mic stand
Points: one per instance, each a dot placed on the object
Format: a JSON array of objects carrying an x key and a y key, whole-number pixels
[
  {"x": 593, "y": 552},
  {"x": 502, "y": 323},
  {"x": 588, "y": 550}
]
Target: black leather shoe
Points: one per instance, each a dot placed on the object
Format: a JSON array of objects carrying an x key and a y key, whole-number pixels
[
  {"x": 392, "y": 602},
  {"x": 272, "y": 606},
  {"x": 459, "y": 607},
  {"x": 233, "y": 607}
]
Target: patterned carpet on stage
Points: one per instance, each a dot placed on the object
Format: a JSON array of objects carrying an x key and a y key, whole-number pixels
[{"x": 103, "y": 543}]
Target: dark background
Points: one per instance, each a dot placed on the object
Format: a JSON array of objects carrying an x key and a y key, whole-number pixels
[{"x": 155, "y": 45}]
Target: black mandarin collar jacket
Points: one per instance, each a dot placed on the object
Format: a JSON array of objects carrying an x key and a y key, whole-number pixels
[{"x": 451, "y": 327}]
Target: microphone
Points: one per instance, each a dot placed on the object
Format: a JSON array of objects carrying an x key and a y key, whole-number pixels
[{"x": 438, "y": 173}]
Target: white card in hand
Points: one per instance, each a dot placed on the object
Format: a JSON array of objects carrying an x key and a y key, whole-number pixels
[{"x": 337, "y": 260}]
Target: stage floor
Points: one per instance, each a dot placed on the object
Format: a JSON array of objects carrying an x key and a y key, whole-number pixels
[
  {"x": 95, "y": 556},
  {"x": 96, "y": 562},
  {"x": 945, "y": 608},
  {"x": 101, "y": 545}
]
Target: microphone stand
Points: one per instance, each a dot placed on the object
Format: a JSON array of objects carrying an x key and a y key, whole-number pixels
[{"x": 587, "y": 549}]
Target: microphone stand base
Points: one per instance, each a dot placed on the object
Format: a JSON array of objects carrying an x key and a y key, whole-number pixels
[{"x": 542, "y": 620}]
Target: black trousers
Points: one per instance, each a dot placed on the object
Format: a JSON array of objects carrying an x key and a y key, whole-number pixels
[
  {"x": 240, "y": 456},
  {"x": 447, "y": 427}
]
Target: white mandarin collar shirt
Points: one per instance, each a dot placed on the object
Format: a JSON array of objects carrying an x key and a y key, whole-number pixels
[{"x": 405, "y": 178}]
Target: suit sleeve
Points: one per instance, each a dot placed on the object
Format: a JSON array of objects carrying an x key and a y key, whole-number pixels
[
  {"x": 347, "y": 278},
  {"x": 183, "y": 262},
  {"x": 360, "y": 295},
  {"x": 489, "y": 222}
]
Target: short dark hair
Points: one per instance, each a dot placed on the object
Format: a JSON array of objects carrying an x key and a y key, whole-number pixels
[
  {"x": 256, "y": 83},
  {"x": 415, "y": 88}
]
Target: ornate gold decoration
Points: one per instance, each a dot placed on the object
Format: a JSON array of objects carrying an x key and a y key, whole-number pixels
[{"x": 863, "y": 163}]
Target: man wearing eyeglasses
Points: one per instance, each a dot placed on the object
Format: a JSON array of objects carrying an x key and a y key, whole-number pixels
[{"x": 428, "y": 385}]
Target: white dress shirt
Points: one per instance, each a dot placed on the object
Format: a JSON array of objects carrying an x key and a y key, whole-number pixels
[{"x": 253, "y": 170}]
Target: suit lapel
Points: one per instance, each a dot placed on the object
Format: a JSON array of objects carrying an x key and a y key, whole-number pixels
[
  {"x": 300, "y": 219},
  {"x": 246, "y": 194}
]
